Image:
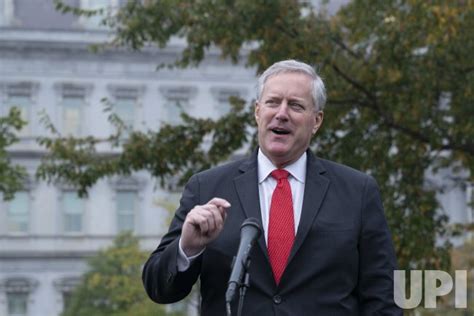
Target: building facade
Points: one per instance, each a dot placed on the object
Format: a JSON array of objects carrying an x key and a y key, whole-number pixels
[{"x": 46, "y": 68}]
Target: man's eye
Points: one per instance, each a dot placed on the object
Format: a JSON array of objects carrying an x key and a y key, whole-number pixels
[
  {"x": 297, "y": 106},
  {"x": 271, "y": 103}
]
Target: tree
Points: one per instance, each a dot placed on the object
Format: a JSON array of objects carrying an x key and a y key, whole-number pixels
[
  {"x": 112, "y": 286},
  {"x": 463, "y": 259},
  {"x": 11, "y": 176},
  {"x": 400, "y": 82}
]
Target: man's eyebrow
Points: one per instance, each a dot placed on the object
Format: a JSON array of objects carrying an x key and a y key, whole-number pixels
[
  {"x": 273, "y": 95},
  {"x": 278, "y": 96},
  {"x": 297, "y": 99}
]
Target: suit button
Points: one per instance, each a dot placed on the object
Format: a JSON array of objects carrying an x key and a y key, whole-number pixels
[
  {"x": 170, "y": 277},
  {"x": 277, "y": 299}
]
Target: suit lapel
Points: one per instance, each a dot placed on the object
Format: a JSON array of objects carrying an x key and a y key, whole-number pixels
[
  {"x": 315, "y": 189},
  {"x": 246, "y": 186}
]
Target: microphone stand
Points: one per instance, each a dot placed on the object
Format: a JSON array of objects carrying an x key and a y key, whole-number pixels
[
  {"x": 250, "y": 231},
  {"x": 242, "y": 290}
]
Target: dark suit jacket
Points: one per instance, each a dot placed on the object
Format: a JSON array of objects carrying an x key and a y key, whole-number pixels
[{"x": 341, "y": 263}]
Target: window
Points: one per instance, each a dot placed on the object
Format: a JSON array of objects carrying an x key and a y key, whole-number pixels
[
  {"x": 127, "y": 199},
  {"x": 177, "y": 101},
  {"x": 126, "y": 105},
  {"x": 17, "y": 303},
  {"x": 73, "y": 101},
  {"x": 221, "y": 97},
  {"x": 65, "y": 287},
  {"x": 6, "y": 12},
  {"x": 72, "y": 115},
  {"x": 18, "y": 214},
  {"x": 20, "y": 96},
  {"x": 72, "y": 208},
  {"x": 23, "y": 103},
  {"x": 175, "y": 106},
  {"x": 126, "y": 210},
  {"x": 17, "y": 293},
  {"x": 95, "y": 21},
  {"x": 67, "y": 297}
]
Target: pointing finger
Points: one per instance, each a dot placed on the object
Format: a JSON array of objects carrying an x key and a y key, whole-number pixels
[{"x": 219, "y": 202}]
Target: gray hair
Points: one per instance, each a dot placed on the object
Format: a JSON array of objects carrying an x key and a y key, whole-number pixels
[{"x": 318, "y": 90}]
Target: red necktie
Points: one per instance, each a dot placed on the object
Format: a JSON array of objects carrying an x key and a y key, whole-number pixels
[{"x": 281, "y": 228}]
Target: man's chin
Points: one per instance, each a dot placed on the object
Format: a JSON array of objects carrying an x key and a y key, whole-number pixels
[
  {"x": 279, "y": 156},
  {"x": 278, "y": 151}
]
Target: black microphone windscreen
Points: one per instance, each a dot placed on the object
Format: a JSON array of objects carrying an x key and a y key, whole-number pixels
[{"x": 252, "y": 222}]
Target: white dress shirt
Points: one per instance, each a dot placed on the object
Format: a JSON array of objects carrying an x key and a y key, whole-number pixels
[{"x": 266, "y": 185}]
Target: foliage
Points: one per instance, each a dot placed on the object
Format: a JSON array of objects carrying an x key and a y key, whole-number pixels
[
  {"x": 113, "y": 285},
  {"x": 171, "y": 150},
  {"x": 11, "y": 176},
  {"x": 462, "y": 259},
  {"x": 64, "y": 8},
  {"x": 399, "y": 75}
]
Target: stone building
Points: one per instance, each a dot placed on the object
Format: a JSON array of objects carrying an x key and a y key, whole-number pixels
[{"x": 46, "y": 66}]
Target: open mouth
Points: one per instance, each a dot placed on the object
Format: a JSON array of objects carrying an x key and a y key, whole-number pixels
[{"x": 280, "y": 131}]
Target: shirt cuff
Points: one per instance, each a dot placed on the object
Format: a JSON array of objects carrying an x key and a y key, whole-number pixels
[{"x": 183, "y": 261}]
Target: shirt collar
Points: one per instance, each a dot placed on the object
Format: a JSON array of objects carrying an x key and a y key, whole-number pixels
[{"x": 297, "y": 169}]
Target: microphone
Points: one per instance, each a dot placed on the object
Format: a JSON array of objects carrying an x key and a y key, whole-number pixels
[{"x": 249, "y": 233}]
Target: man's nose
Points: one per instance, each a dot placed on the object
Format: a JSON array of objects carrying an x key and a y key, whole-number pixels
[{"x": 282, "y": 113}]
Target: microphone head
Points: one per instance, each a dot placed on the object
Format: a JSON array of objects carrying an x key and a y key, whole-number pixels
[{"x": 252, "y": 222}]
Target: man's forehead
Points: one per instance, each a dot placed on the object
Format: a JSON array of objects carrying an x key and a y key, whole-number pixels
[
  {"x": 295, "y": 75},
  {"x": 277, "y": 93},
  {"x": 276, "y": 85}
]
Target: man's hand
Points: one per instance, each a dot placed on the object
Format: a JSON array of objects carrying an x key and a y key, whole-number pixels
[{"x": 202, "y": 225}]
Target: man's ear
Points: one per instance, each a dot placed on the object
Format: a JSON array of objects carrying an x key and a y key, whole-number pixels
[
  {"x": 256, "y": 112},
  {"x": 318, "y": 121}
]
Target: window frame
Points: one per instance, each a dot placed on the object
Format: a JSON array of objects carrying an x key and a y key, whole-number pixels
[
  {"x": 28, "y": 214},
  {"x": 19, "y": 285},
  {"x": 133, "y": 212},
  {"x": 74, "y": 90},
  {"x": 177, "y": 98},
  {"x": 23, "y": 89},
  {"x": 128, "y": 184},
  {"x": 7, "y": 13},
  {"x": 221, "y": 97},
  {"x": 65, "y": 287},
  {"x": 135, "y": 95},
  {"x": 63, "y": 213},
  {"x": 93, "y": 23}
]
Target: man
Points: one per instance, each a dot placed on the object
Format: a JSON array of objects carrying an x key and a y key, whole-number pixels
[{"x": 326, "y": 248}]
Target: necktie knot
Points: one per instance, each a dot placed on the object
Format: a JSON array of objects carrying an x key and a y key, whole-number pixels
[{"x": 279, "y": 174}]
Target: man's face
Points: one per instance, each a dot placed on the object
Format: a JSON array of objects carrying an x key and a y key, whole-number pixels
[{"x": 286, "y": 117}]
